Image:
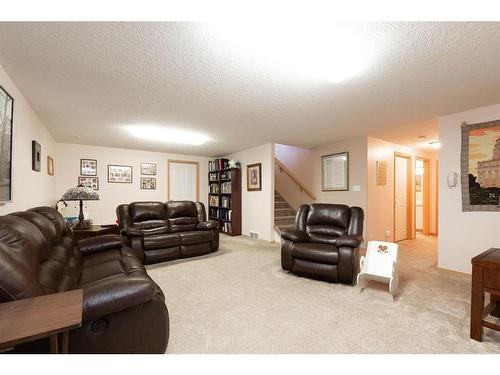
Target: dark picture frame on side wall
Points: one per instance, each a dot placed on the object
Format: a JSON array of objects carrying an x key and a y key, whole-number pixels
[
  {"x": 335, "y": 172},
  {"x": 148, "y": 183},
  {"x": 88, "y": 167},
  {"x": 254, "y": 177},
  {"x": 90, "y": 182},
  {"x": 6, "y": 125},
  {"x": 36, "y": 156},
  {"x": 120, "y": 174}
]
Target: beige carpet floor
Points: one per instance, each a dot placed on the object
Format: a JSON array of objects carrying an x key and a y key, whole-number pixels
[{"x": 239, "y": 300}]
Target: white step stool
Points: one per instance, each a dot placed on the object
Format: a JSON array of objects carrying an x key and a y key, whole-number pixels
[{"x": 379, "y": 265}]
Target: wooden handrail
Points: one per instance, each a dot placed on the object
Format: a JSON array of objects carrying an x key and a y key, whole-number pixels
[{"x": 302, "y": 188}]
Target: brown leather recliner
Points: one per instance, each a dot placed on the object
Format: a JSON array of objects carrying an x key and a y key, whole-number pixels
[
  {"x": 124, "y": 310},
  {"x": 324, "y": 244},
  {"x": 166, "y": 231}
]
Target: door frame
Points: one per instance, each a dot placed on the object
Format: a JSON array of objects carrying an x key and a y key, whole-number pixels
[
  {"x": 175, "y": 161},
  {"x": 426, "y": 196},
  {"x": 410, "y": 212}
]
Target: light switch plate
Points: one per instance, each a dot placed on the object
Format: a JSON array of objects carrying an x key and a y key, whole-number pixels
[{"x": 356, "y": 187}]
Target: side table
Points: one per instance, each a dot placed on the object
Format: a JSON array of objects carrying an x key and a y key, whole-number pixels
[
  {"x": 485, "y": 279},
  {"x": 94, "y": 231},
  {"x": 35, "y": 318}
]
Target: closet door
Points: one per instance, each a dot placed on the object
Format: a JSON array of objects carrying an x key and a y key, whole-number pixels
[{"x": 183, "y": 180}]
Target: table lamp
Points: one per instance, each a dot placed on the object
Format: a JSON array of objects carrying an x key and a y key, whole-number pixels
[{"x": 80, "y": 193}]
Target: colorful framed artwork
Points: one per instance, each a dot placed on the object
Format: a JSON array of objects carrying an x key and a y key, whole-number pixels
[
  {"x": 254, "y": 177},
  {"x": 335, "y": 172},
  {"x": 120, "y": 174},
  {"x": 6, "y": 124},
  {"x": 148, "y": 169},
  {"x": 480, "y": 166},
  {"x": 90, "y": 182},
  {"x": 88, "y": 167},
  {"x": 148, "y": 183}
]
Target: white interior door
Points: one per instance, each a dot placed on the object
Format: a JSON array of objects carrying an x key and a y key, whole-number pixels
[
  {"x": 182, "y": 181},
  {"x": 401, "y": 199}
]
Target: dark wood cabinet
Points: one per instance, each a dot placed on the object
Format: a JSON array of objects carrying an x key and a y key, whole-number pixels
[
  {"x": 224, "y": 196},
  {"x": 94, "y": 231}
]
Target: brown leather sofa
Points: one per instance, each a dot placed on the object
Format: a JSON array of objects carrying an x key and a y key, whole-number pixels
[
  {"x": 123, "y": 309},
  {"x": 165, "y": 231},
  {"x": 324, "y": 244}
]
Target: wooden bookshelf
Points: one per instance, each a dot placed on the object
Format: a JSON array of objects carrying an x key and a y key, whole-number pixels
[{"x": 224, "y": 196}]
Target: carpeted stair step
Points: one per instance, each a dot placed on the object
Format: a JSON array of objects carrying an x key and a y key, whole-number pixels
[
  {"x": 279, "y": 212},
  {"x": 286, "y": 220}
]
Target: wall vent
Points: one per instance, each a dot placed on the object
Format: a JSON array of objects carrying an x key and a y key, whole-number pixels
[{"x": 254, "y": 235}]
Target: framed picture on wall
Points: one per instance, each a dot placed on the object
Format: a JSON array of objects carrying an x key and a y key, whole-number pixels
[
  {"x": 88, "y": 167},
  {"x": 50, "y": 166},
  {"x": 148, "y": 183},
  {"x": 6, "y": 123},
  {"x": 90, "y": 182},
  {"x": 121, "y": 174},
  {"x": 254, "y": 177},
  {"x": 335, "y": 172},
  {"x": 148, "y": 169},
  {"x": 36, "y": 156}
]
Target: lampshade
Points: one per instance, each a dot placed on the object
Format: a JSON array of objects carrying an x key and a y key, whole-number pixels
[{"x": 80, "y": 193}]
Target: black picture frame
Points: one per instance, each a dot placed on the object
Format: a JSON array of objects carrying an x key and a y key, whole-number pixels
[
  {"x": 84, "y": 172},
  {"x": 84, "y": 181},
  {"x": 113, "y": 179},
  {"x": 36, "y": 156}
]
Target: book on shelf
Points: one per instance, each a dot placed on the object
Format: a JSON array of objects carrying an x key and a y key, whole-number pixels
[
  {"x": 213, "y": 201},
  {"x": 227, "y": 227},
  {"x": 212, "y": 177},
  {"x": 225, "y": 214},
  {"x": 225, "y": 202},
  {"x": 213, "y": 213},
  {"x": 214, "y": 188},
  {"x": 218, "y": 164},
  {"x": 226, "y": 187},
  {"x": 225, "y": 175}
]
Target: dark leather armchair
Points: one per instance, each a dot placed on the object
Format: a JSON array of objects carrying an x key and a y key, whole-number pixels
[
  {"x": 324, "y": 244},
  {"x": 166, "y": 231},
  {"x": 124, "y": 310}
]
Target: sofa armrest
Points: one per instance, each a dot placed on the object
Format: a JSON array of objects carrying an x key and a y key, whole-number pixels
[
  {"x": 295, "y": 236},
  {"x": 131, "y": 232},
  {"x": 95, "y": 244},
  {"x": 349, "y": 240},
  {"x": 115, "y": 294},
  {"x": 206, "y": 225}
]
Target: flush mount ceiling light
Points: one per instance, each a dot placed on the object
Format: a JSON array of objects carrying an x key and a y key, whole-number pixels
[
  {"x": 330, "y": 52},
  {"x": 166, "y": 134},
  {"x": 435, "y": 144}
]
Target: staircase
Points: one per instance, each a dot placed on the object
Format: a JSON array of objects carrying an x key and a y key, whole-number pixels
[{"x": 284, "y": 214}]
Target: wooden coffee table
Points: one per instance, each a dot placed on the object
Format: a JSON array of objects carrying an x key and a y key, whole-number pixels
[
  {"x": 485, "y": 279},
  {"x": 35, "y": 318}
]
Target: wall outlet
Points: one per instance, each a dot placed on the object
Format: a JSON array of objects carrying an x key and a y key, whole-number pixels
[
  {"x": 387, "y": 235},
  {"x": 356, "y": 187},
  {"x": 254, "y": 235}
]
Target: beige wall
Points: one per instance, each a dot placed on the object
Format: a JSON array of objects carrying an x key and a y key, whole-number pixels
[
  {"x": 111, "y": 195},
  {"x": 462, "y": 235},
  {"x": 30, "y": 188},
  {"x": 380, "y": 200},
  {"x": 257, "y": 206}
]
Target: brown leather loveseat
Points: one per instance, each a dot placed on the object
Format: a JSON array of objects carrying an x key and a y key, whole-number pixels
[
  {"x": 123, "y": 309},
  {"x": 166, "y": 231},
  {"x": 324, "y": 244}
]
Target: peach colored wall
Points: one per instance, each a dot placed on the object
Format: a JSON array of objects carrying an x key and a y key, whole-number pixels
[
  {"x": 258, "y": 206},
  {"x": 111, "y": 195},
  {"x": 30, "y": 188},
  {"x": 462, "y": 235},
  {"x": 380, "y": 200}
]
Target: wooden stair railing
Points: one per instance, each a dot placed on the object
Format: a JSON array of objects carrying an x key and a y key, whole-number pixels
[{"x": 302, "y": 188}]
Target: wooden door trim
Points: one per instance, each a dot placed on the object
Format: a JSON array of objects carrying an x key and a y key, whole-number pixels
[
  {"x": 175, "y": 161},
  {"x": 437, "y": 198},
  {"x": 426, "y": 196},
  {"x": 410, "y": 226}
]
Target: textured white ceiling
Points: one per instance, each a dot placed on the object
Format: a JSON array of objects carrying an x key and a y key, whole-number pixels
[{"x": 84, "y": 80}]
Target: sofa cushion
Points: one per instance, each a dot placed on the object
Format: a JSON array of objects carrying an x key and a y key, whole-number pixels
[
  {"x": 316, "y": 252},
  {"x": 161, "y": 241},
  {"x": 158, "y": 226},
  {"x": 143, "y": 211},
  {"x": 328, "y": 219},
  {"x": 182, "y": 216},
  {"x": 189, "y": 238}
]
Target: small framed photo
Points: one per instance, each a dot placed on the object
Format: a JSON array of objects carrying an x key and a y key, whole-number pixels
[
  {"x": 148, "y": 169},
  {"x": 148, "y": 183},
  {"x": 120, "y": 174},
  {"x": 90, "y": 182},
  {"x": 88, "y": 167},
  {"x": 254, "y": 177},
  {"x": 335, "y": 172},
  {"x": 36, "y": 156},
  {"x": 50, "y": 166}
]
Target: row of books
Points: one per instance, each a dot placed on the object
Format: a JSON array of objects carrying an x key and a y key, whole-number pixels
[
  {"x": 225, "y": 214},
  {"x": 226, "y": 227},
  {"x": 214, "y": 188},
  {"x": 225, "y": 175},
  {"x": 213, "y": 177},
  {"x": 226, "y": 187},
  {"x": 225, "y": 202},
  {"x": 213, "y": 212},
  {"x": 218, "y": 164},
  {"x": 213, "y": 201}
]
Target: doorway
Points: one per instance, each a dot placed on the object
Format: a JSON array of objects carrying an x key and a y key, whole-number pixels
[
  {"x": 422, "y": 196},
  {"x": 183, "y": 180},
  {"x": 403, "y": 198}
]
